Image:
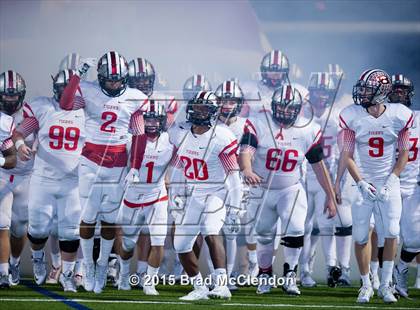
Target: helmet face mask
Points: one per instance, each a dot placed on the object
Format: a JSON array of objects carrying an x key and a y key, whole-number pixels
[
  {"x": 154, "y": 118},
  {"x": 322, "y": 88},
  {"x": 12, "y": 92},
  {"x": 60, "y": 82},
  {"x": 402, "y": 90},
  {"x": 195, "y": 84},
  {"x": 320, "y": 99},
  {"x": 202, "y": 110},
  {"x": 141, "y": 75},
  {"x": 112, "y": 74},
  {"x": 274, "y": 69},
  {"x": 372, "y": 88},
  {"x": 286, "y": 105},
  {"x": 230, "y": 98}
]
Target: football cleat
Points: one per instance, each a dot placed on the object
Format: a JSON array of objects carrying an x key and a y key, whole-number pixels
[
  {"x": 112, "y": 274},
  {"x": 89, "y": 277},
  {"x": 306, "y": 280},
  {"x": 344, "y": 279},
  {"x": 253, "y": 269},
  {"x": 100, "y": 278},
  {"x": 385, "y": 292},
  {"x": 197, "y": 294},
  {"x": 150, "y": 290},
  {"x": 220, "y": 292},
  {"x": 264, "y": 287},
  {"x": 124, "y": 282},
  {"x": 365, "y": 293},
  {"x": 4, "y": 281},
  {"x": 67, "y": 281},
  {"x": 40, "y": 270},
  {"x": 54, "y": 275},
  {"x": 334, "y": 273},
  {"x": 401, "y": 280},
  {"x": 290, "y": 286},
  {"x": 14, "y": 274},
  {"x": 78, "y": 279}
]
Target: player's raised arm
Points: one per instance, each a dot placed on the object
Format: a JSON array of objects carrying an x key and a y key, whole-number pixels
[{"x": 29, "y": 125}]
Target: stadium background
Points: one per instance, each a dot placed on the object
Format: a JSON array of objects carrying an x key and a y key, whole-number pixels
[{"x": 221, "y": 39}]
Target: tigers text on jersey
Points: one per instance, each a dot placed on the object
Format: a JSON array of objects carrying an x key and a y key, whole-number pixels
[
  {"x": 108, "y": 118},
  {"x": 6, "y": 129},
  {"x": 22, "y": 167},
  {"x": 205, "y": 159},
  {"x": 153, "y": 167},
  {"x": 376, "y": 138},
  {"x": 61, "y": 138},
  {"x": 280, "y": 152},
  {"x": 409, "y": 176}
]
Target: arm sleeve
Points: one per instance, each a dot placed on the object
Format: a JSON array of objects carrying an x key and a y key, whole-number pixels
[
  {"x": 229, "y": 158},
  {"x": 136, "y": 126},
  {"x": 347, "y": 140},
  {"x": 7, "y": 144},
  {"x": 69, "y": 100},
  {"x": 249, "y": 141},
  {"x": 138, "y": 148},
  {"x": 403, "y": 140},
  {"x": 28, "y": 126}
]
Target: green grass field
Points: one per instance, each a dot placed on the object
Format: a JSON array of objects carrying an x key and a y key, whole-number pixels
[{"x": 51, "y": 297}]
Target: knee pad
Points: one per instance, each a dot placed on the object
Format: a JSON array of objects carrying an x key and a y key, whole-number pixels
[
  {"x": 360, "y": 235},
  {"x": 18, "y": 230},
  {"x": 69, "y": 246},
  {"x": 128, "y": 244},
  {"x": 343, "y": 231},
  {"x": 292, "y": 242},
  {"x": 35, "y": 240},
  {"x": 393, "y": 231},
  {"x": 264, "y": 239}
]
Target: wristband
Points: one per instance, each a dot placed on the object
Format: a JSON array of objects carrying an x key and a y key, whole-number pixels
[
  {"x": 19, "y": 143},
  {"x": 2, "y": 161}
]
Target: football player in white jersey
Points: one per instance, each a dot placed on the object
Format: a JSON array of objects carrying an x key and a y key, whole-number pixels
[
  {"x": 7, "y": 161},
  {"x": 274, "y": 72},
  {"x": 376, "y": 129},
  {"x": 273, "y": 149},
  {"x": 231, "y": 99},
  {"x": 337, "y": 231},
  {"x": 206, "y": 154},
  {"x": 145, "y": 201},
  {"x": 113, "y": 111},
  {"x": 402, "y": 92},
  {"x": 14, "y": 183},
  {"x": 54, "y": 205}
]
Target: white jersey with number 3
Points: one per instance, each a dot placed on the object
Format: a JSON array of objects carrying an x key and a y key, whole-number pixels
[
  {"x": 6, "y": 127},
  {"x": 108, "y": 118},
  {"x": 376, "y": 138},
  {"x": 61, "y": 138}
]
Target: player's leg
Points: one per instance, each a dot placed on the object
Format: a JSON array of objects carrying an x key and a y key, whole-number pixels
[
  {"x": 328, "y": 241},
  {"x": 6, "y": 201},
  {"x": 143, "y": 249},
  {"x": 265, "y": 228},
  {"x": 90, "y": 199},
  {"x": 417, "y": 284},
  {"x": 387, "y": 219},
  {"x": 68, "y": 214},
  {"x": 291, "y": 208},
  {"x": 343, "y": 231},
  {"x": 374, "y": 261},
  {"x": 112, "y": 193},
  {"x": 186, "y": 231},
  {"x": 211, "y": 225},
  {"x": 252, "y": 210},
  {"x": 55, "y": 256},
  {"x": 156, "y": 219},
  {"x": 40, "y": 219},
  {"x": 410, "y": 232},
  {"x": 361, "y": 213},
  {"x": 305, "y": 275},
  {"x": 130, "y": 221}
]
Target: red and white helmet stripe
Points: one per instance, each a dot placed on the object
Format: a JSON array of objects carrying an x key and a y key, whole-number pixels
[
  {"x": 114, "y": 65},
  {"x": 10, "y": 79}
]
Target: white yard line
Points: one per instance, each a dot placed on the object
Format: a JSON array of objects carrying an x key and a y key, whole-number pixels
[{"x": 99, "y": 301}]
